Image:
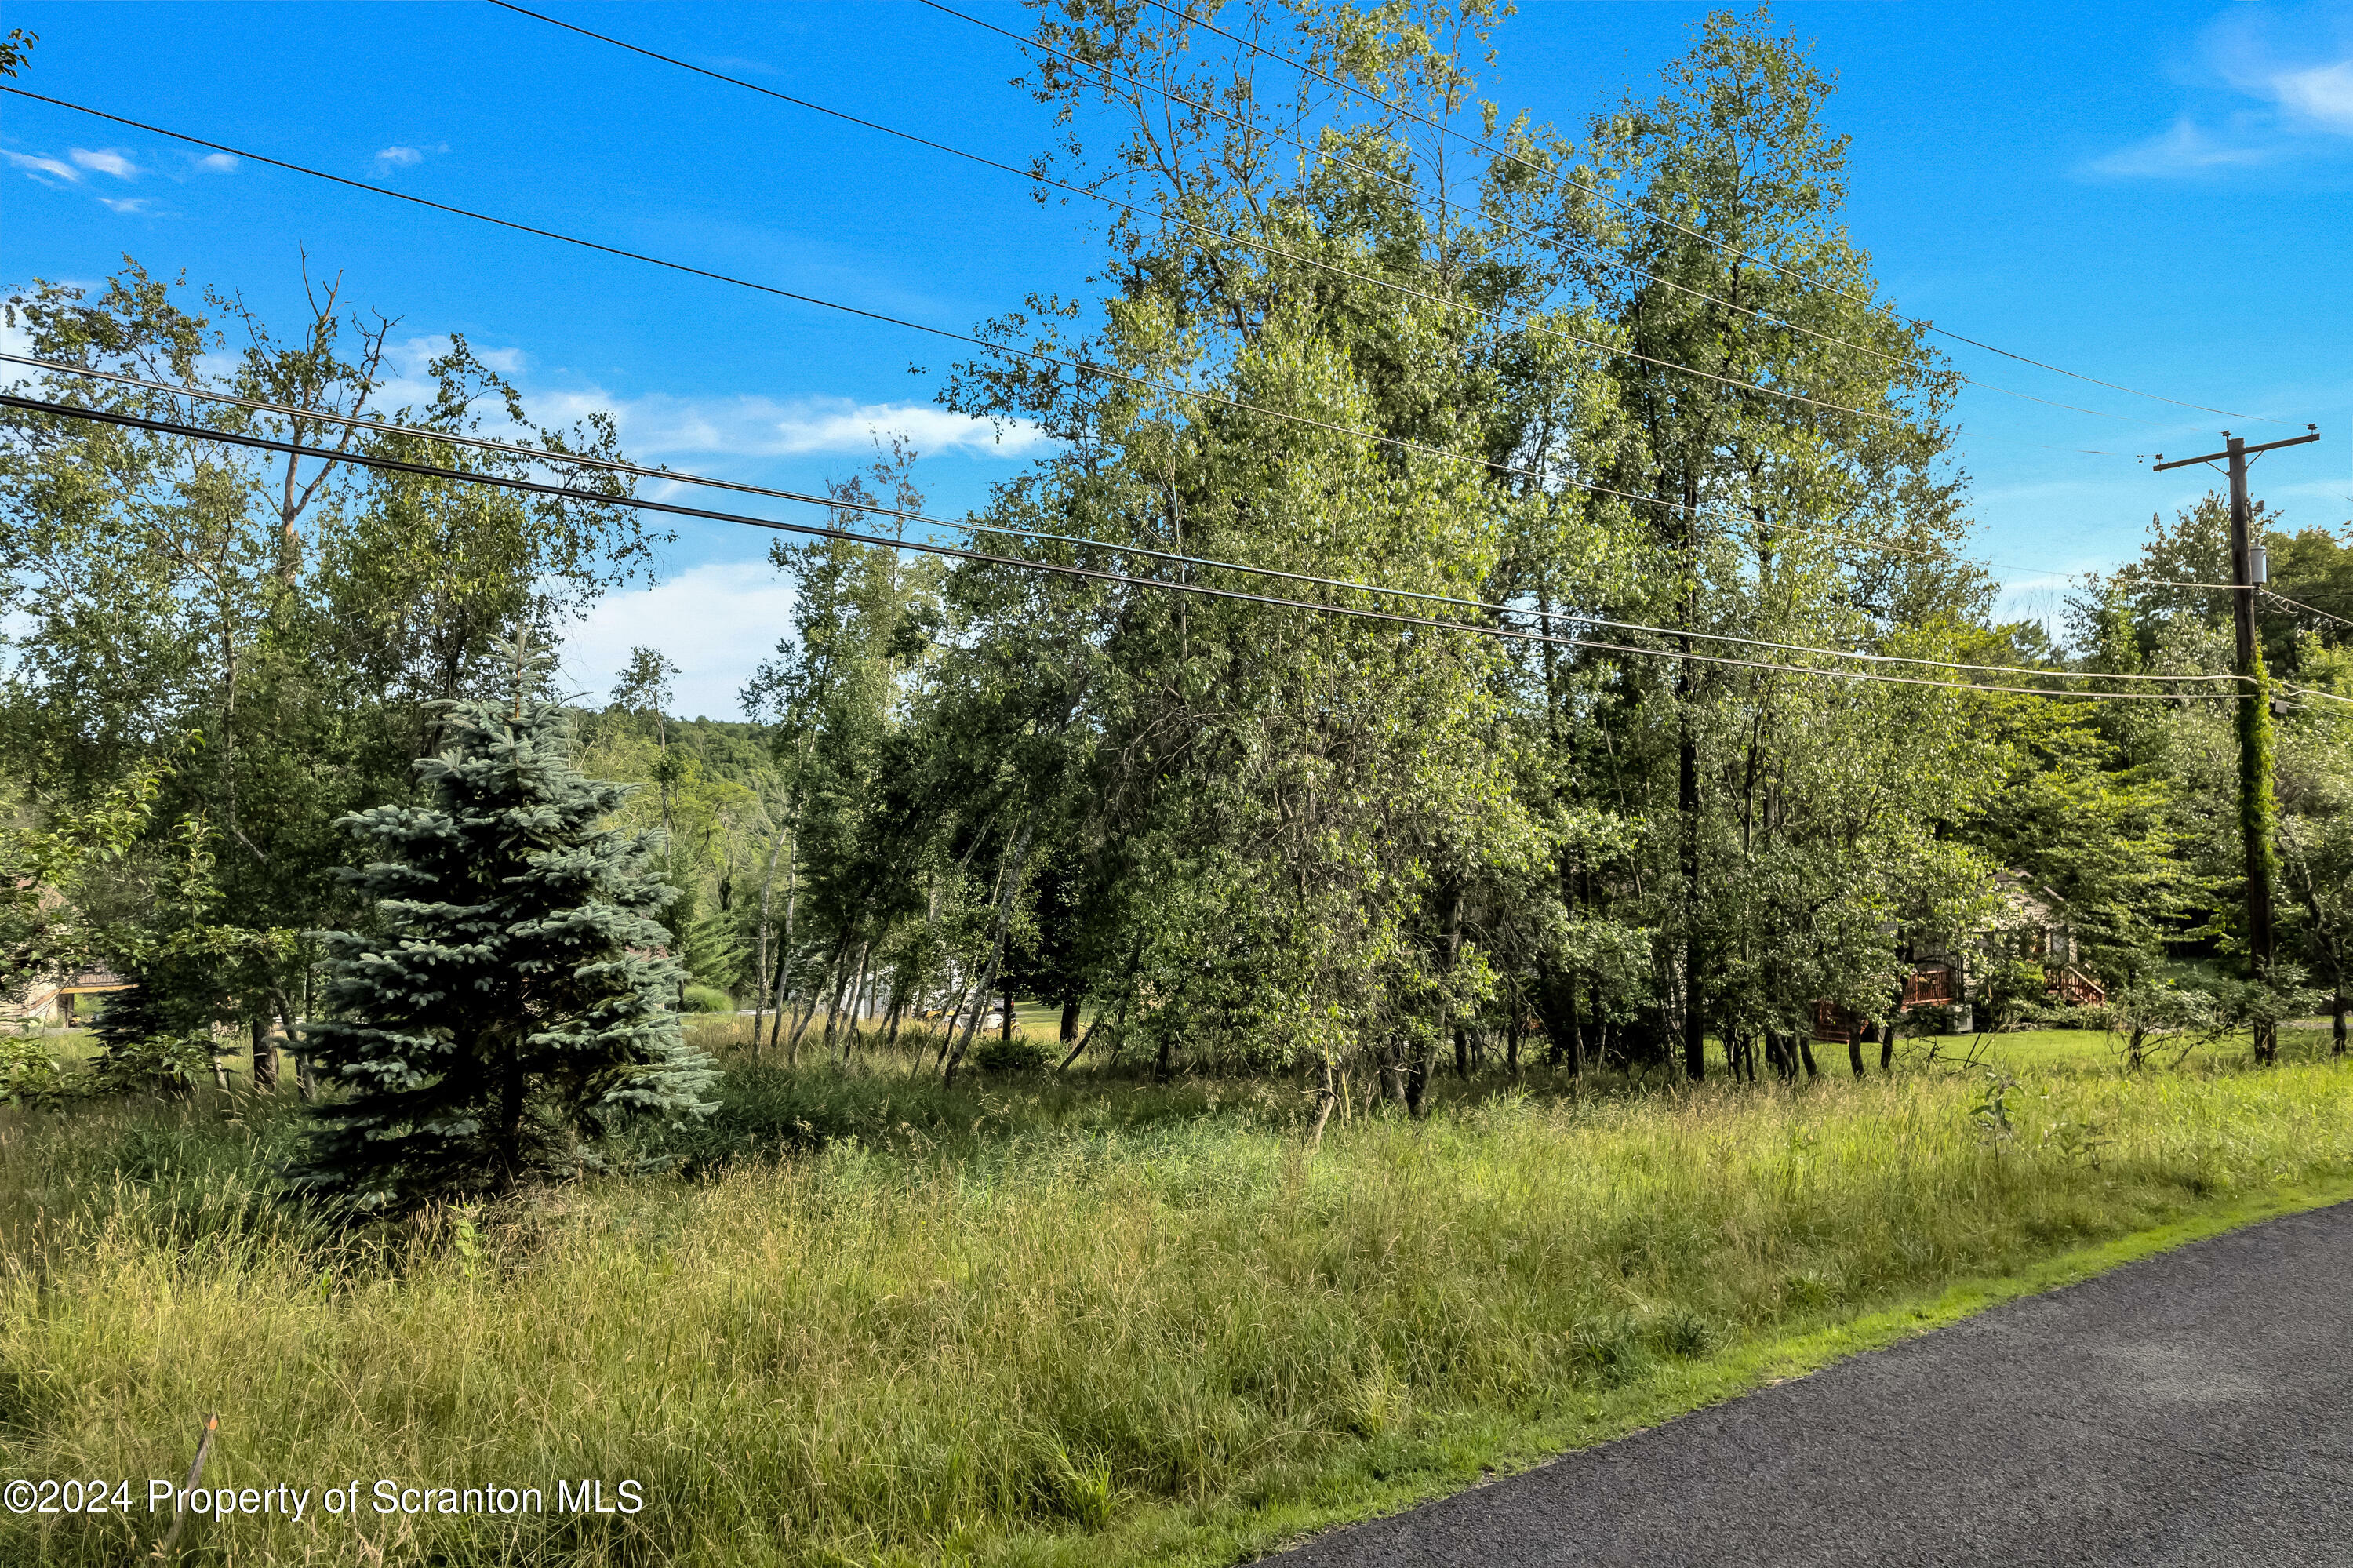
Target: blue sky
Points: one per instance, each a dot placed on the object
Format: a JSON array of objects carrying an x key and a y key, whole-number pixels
[{"x": 2155, "y": 193}]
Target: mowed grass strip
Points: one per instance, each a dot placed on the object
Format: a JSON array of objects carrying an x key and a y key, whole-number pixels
[{"x": 1087, "y": 1323}]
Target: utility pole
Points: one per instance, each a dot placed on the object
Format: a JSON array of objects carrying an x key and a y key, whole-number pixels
[{"x": 2256, "y": 808}]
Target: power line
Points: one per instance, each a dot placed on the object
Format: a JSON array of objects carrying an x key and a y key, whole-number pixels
[
  {"x": 672, "y": 508},
  {"x": 1036, "y": 176},
  {"x": 613, "y": 465},
  {"x": 1413, "y": 192},
  {"x": 1082, "y": 366},
  {"x": 2137, "y": 582},
  {"x": 1728, "y": 250},
  {"x": 2298, "y": 604}
]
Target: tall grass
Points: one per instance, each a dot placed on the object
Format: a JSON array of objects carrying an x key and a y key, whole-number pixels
[{"x": 1027, "y": 1322}]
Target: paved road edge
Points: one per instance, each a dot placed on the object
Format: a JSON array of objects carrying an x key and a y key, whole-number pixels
[{"x": 1489, "y": 1450}]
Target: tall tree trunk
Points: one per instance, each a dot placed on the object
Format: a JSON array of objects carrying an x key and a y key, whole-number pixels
[
  {"x": 1119, "y": 1024},
  {"x": 856, "y": 1013},
  {"x": 1854, "y": 1051},
  {"x": 784, "y": 938},
  {"x": 1388, "y": 1070},
  {"x": 842, "y": 975},
  {"x": 306, "y": 1076},
  {"x": 265, "y": 1055},
  {"x": 951, "y": 1017},
  {"x": 1326, "y": 1095},
  {"x": 1695, "y": 1020},
  {"x": 760, "y": 947},
  {"x": 802, "y": 1016},
  {"x": 1080, "y": 1049},
  {"x": 1806, "y": 1053},
  {"x": 1069, "y": 1020},
  {"x": 1006, "y": 896},
  {"x": 1564, "y": 1046},
  {"x": 815, "y": 998},
  {"x": 1416, "y": 1072}
]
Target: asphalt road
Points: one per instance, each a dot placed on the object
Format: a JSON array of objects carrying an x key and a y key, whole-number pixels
[{"x": 2195, "y": 1407}]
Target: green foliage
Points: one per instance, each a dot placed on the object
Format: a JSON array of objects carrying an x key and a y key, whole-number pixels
[
  {"x": 53, "y": 915},
  {"x": 2315, "y": 778},
  {"x": 154, "y": 1063},
  {"x": 15, "y": 49},
  {"x": 29, "y": 1073},
  {"x": 1018, "y": 1055},
  {"x": 214, "y": 653},
  {"x": 507, "y": 1001},
  {"x": 707, "y": 999}
]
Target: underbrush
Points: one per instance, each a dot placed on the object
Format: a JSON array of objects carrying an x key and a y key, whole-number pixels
[{"x": 1032, "y": 1318}]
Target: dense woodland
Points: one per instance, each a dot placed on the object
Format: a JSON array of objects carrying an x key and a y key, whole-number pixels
[{"x": 1633, "y": 380}]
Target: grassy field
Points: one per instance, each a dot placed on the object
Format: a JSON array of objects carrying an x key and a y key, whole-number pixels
[{"x": 862, "y": 1320}]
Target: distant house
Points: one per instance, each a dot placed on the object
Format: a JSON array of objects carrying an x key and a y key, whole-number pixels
[
  {"x": 62, "y": 1002},
  {"x": 2032, "y": 923},
  {"x": 2036, "y": 925}
]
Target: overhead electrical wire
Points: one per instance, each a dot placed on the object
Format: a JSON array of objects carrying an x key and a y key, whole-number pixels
[
  {"x": 2262, "y": 589},
  {"x": 1083, "y": 366},
  {"x": 1860, "y": 540},
  {"x": 2299, "y": 604},
  {"x": 1037, "y": 177},
  {"x": 1620, "y": 203},
  {"x": 613, "y": 465},
  {"x": 1025, "y": 41},
  {"x": 672, "y": 508}
]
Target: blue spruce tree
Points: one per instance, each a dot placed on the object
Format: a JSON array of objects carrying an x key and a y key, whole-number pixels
[{"x": 513, "y": 998}]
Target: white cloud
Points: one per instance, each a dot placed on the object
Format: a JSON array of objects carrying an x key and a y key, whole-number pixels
[
  {"x": 762, "y": 427},
  {"x": 2291, "y": 72},
  {"x": 106, "y": 161},
  {"x": 32, "y": 164},
  {"x": 2182, "y": 149},
  {"x": 2323, "y": 94},
  {"x": 717, "y": 620},
  {"x": 127, "y": 203},
  {"x": 392, "y": 158},
  {"x": 216, "y": 163},
  {"x": 408, "y": 383}
]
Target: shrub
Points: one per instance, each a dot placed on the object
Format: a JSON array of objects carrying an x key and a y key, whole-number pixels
[
  {"x": 2062, "y": 1016},
  {"x": 1018, "y": 1055},
  {"x": 707, "y": 999},
  {"x": 1930, "y": 1018},
  {"x": 28, "y": 1074},
  {"x": 164, "y": 1064}
]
